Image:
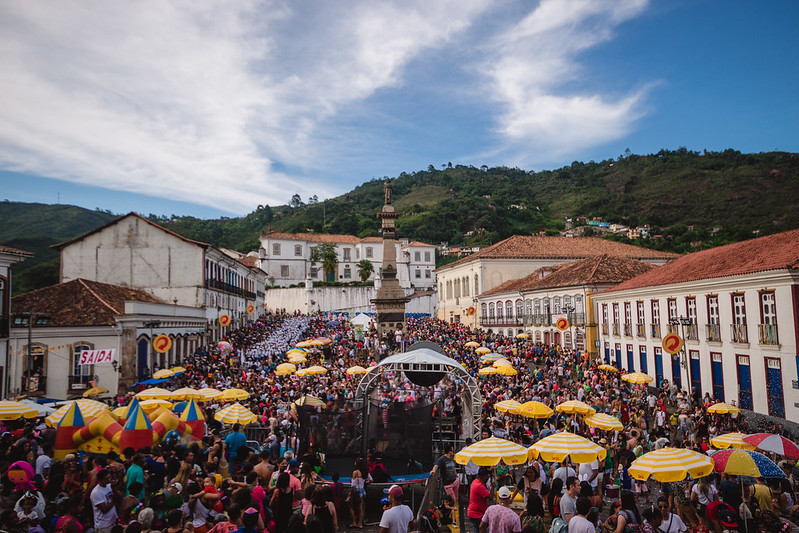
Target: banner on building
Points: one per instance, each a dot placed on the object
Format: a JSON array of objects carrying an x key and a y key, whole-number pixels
[{"x": 95, "y": 357}]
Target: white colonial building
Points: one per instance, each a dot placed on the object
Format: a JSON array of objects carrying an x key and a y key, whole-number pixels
[
  {"x": 8, "y": 257},
  {"x": 533, "y": 304},
  {"x": 286, "y": 257},
  {"x": 132, "y": 251},
  {"x": 736, "y": 308},
  {"x": 460, "y": 283}
]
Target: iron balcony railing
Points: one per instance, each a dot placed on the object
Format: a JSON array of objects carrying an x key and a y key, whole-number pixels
[
  {"x": 654, "y": 330},
  {"x": 628, "y": 329},
  {"x": 605, "y": 329},
  {"x": 768, "y": 334},
  {"x": 616, "y": 330},
  {"x": 501, "y": 321},
  {"x": 713, "y": 332},
  {"x": 79, "y": 382},
  {"x": 227, "y": 287},
  {"x": 640, "y": 330},
  {"x": 692, "y": 332},
  {"x": 577, "y": 319},
  {"x": 739, "y": 333},
  {"x": 674, "y": 328}
]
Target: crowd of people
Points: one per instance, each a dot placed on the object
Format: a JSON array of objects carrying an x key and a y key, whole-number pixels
[{"x": 269, "y": 480}]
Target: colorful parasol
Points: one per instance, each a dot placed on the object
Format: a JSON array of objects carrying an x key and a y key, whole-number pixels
[
  {"x": 671, "y": 464},
  {"x": 152, "y": 405},
  {"x": 535, "y": 409},
  {"x": 177, "y": 369},
  {"x": 94, "y": 391},
  {"x": 191, "y": 412},
  {"x": 186, "y": 393},
  {"x": 556, "y": 447},
  {"x": 482, "y": 349},
  {"x": 731, "y": 440},
  {"x": 297, "y": 358},
  {"x": 163, "y": 374},
  {"x": 638, "y": 377},
  {"x": 491, "y": 356},
  {"x": 575, "y": 406},
  {"x": 88, "y": 409},
  {"x": 508, "y": 406},
  {"x": 10, "y": 410},
  {"x": 507, "y": 371},
  {"x": 603, "y": 421},
  {"x": 487, "y": 371},
  {"x": 234, "y": 394},
  {"x": 523, "y": 336},
  {"x": 723, "y": 408},
  {"x": 608, "y": 368},
  {"x": 310, "y": 401},
  {"x": 745, "y": 463},
  {"x": 472, "y": 344},
  {"x": 357, "y": 369},
  {"x": 316, "y": 369},
  {"x": 236, "y": 414},
  {"x": 490, "y": 451},
  {"x": 502, "y": 362},
  {"x": 774, "y": 444},
  {"x": 155, "y": 393},
  {"x": 209, "y": 393},
  {"x": 285, "y": 369}
]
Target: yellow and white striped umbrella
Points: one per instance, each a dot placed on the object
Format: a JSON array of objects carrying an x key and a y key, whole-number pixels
[
  {"x": 491, "y": 357},
  {"x": 302, "y": 372},
  {"x": 316, "y": 369},
  {"x": 507, "y": 371},
  {"x": 177, "y": 369},
  {"x": 310, "y": 401},
  {"x": 638, "y": 377},
  {"x": 731, "y": 440},
  {"x": 575, "y": 406},
  {"x": 152, "y": 405},
  {"x": 163, "y": 374},
  {"x": 88, "y": 408},
  {"x": 671, "y": 464},
  {"x": 608, "y": 368},
  {"x": 535, "y": 409},
  {"x": 357, "y": 369},
  {"x": 558, "y": 446},
  {"x": 10, "y": 410},
  {"x": 155, "y": 393},
  {"x": 209, "y": 393},
  {"x": 234, "y": 394},
  {"x": 186, "y": 393},
  {"x": 523, "y": 336},
  {"x": 603, "y": 421},
  {"x": 236, "y": 414},
  {"x": 305, "y": 344},
  {"x": 285, "y": 369},
  {"x": 486, "y": 371},
  {"x": 483, "y": 349},
  {"x": 297, "y": 358},
  {"x": 472, "y": 344},
  {"x": 296, "y": 351},
  {"x": 508, "y": 406},
  {"x": 502, "y": 362},
  {"x": 490, "y": 451},
  {"x": 723, "y": 408}
]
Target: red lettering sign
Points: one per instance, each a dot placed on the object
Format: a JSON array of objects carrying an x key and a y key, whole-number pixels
[{"x": 95, "y": 357}]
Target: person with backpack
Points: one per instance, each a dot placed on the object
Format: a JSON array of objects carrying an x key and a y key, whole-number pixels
[{"x": 628, "y": 519}]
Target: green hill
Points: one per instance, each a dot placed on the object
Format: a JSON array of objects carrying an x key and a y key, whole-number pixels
[{"x": 694, "y": 200}]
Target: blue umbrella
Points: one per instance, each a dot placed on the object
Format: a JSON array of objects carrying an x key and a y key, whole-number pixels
[{"x": 333, "y": 323}]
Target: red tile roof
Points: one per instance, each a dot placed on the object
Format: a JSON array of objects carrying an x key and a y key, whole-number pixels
[
  {"x": 14, "y": 251},
  {"x": 535, "y": 247},
  {"x": 417, "y": 243},
  {"x": 131, "y": 214},
  {"x": 600, "y": 270},
  {"x": 772, "y": 252},
  {"x": 313, "y": 237},
  {"x": 249, "y": 261},
  {"x": 79, "y": 302}
]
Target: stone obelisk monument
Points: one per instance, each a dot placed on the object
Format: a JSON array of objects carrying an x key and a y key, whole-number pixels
[{"x": 390, "y": 298}]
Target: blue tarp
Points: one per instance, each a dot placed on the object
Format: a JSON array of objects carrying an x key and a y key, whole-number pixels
[{"x": 151, "y": 381}]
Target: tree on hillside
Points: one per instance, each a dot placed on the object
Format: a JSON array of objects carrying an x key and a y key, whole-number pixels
[
  {"x": 325, "y": 253},
  {"x": 296, "y": 201},
  {"x": 365, "y": 269}
]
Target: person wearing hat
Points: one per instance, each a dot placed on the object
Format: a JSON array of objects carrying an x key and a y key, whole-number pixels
[
  {"x": 500, "y": 518},
  {"x": 398, "y": 517}
]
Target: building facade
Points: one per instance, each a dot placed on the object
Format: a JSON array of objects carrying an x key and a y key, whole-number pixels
[
  {"x": 8, "y": 257},
  {"x": 736, "y": 309},
  {"x": 286, "y": 258},
  {"x": 460, "y": 283}
]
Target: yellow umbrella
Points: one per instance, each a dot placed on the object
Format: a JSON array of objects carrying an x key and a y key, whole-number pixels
[
  {"x": 575, "y": 406},
  {"x": 356, "y": 370},
  {"x": 316, "y": 369},
  {"x": 485, "y": 371},
  {"x": 731, "y": 440},
  {"x": 285, "y": 369},
  {"x": 302, "y": 372},
  {"x": 163, "y": 374},
  {"x": 317, "y": 342},
  {"x": 296, "y": 358},
  {"x": 508, "y": 406},
  {"x": 603, "y": 421},
  {"x": 490, "y": 451},
  {"x": 535, "y": 410},
  {"x": 323, "y": 340},
  {"x": 94, "y": 391},
  {"x": 310, "y": 401},
  {"x": 305, "y": 344},
  {"x": 723, "y": 408},
  {"x": 489, "y": 357},
  {"x": 88, "y": 408},
  {"x": 177, "y": 369},
  {"x": 209, "y": 393},
  {"x": 507, "y": 371},
  {"x": 482, "y": 349},
  {"x": 185, "y": 393},
  {"x": 558, "y": 446},
  {"x": 234, "y": 394},
  {"x": 502, "y": 362},
  {"x": 121, "y": 412},
  {"x": 608, "y": 368},
  {"x": 156, "y": 393},
  {"x": 671, "y": 464},
  {"x": 10, "y": 410},
  {"x": 152, "y": 405},
  {"x": 523, "y": 336},
  {"x": 472, "y": 344},
  {"x": 236, "y": 414},
  {"x": 298, "y": 351},
  {"x": 638, "y": 377}
]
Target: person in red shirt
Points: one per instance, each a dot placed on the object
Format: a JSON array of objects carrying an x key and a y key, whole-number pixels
[{"x": 478, "y": 497}]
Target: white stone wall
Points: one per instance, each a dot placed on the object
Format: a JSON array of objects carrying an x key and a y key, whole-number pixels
[{"x": 351, "y": 299}]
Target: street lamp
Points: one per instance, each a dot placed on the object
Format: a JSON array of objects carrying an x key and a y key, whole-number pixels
[
  {"x": 682, "y": 322},
  {"x": 29, "y": 319}
]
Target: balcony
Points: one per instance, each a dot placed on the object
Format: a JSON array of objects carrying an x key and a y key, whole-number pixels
[
  {"x": 692, "y": 332},
  {"x": 640, "y": 330},
  {"x": 739, "y": 333},
  {"x": 577, "y": 319},
  {"x": 713, "y": 332},
  {"x": 654, "y": 330},
  {"x": 501, "y": 321},
  {"x": 768, "y": 334},
  {"x": 541, "y": 320},
  {"x": 628, "y": 329},
  {"x": 605, "y": 329},
  {"x": 616, "y": 330},
  {"x": 79, "y": 382},
  {"x": 36, "y": 384},
  {"x": 227, "y": 287},
  {"x": 674, "y": 328}
]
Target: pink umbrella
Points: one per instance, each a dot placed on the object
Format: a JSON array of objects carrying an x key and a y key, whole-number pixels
[{"x": 774, "y": 444}]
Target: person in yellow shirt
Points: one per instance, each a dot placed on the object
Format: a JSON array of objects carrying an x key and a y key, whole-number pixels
[{"x": 762, "y": 494}]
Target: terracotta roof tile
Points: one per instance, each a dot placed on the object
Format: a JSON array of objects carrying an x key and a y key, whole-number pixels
[
  {"x": 418, "y": 243},
  {"x": 131, "y": 214},
  {"x": 249, "y": 261},
  {"x": 313, "y": 237},
  {"x": 372, "y": 239},
  {"x": 533, "y": 247},
  {"x": 599, "y": 270},
  {"x": 79, "y": 302},
  {"x": 772, "y": 252},
  {"x": 14, "y": 251}
]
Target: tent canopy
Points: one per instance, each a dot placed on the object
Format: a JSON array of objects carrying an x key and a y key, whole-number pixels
[{"x": 361, "y": 320}]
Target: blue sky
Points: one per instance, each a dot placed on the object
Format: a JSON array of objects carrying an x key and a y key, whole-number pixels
[{"x": 210, "y": 108}]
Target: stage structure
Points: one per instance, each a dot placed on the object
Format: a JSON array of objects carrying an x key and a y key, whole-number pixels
[{"x": 424, "y": 364}]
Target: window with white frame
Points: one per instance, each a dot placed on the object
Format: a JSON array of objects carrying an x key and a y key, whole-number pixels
[
  {"x": 427, "y": 274},
  {"x": 672, "y": 309},
  {"x": 528, "y": 306},
  {"x": 640, "y": 308},
  {"x": 491, "y": 312},
  {"x": 713, "y": 309},
  {"x": 628, "y": 312},
  {"x": 275, "y": 249},
  {"x": 347, "y": 272},
  {"x": 417, "y": 256},
  {"x": 284, "y": 271},
  {"x": 314, "y": 272},
  {"x": 738, "y": 308},
  {"x": 536, "y": 306},
  {"x": 77, "y": 368},
  {"x": 465, "y": 286},
  {"x": 509, "y": 309},
  {"x": 519, "y": 308},
  {"x": 605, "y": 313},
  {"x": 427, "y": 257},
  {"x": 298, "y": 250},
  {"x": 347, "y": 254},
  {"x": 500, "y": 309},
  {"x": 556, "y": 304},
  {"x": 567, "y": 301},
  {"x": 768, "y": 308},
  {"x": 655, "y": 312},
  {"x": 369, "y": 252},
  {"x": 476, "y": 285},
  {"x": 578, "y": 304},
  {"x": 418, "y": 274},
  {"x": 615, "y": 313},
  {"x": 690, "y": 305}
]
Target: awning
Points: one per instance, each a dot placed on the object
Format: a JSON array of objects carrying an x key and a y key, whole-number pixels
[{"x": 151, "y": 381}]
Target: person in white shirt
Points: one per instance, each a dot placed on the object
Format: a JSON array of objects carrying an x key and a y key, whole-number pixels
[
  {"x": 670, "y": 522},
  {"x": 398, "y": 517},
  {"x": 105, "y": 512},
  {"x": 589, "y": 472},
  {"x": 579, "y": 523},
  {"x": 564, "y": 472}
]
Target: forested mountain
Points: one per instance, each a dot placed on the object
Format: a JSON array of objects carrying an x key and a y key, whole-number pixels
[{"x": 693, "y": 200}]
